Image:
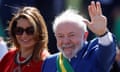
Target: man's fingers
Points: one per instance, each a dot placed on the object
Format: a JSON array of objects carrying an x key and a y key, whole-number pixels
[
  {"x": 98, "y": 8},
  {"x": 93, "y": 8},
  {"x": 90, "y": 11}
]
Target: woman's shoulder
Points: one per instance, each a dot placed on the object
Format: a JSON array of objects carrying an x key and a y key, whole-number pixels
[
  {"x": 7, "y": 59},
  {"x": 12, "y": 50},
  {"x": 45, "y": 54},
  {"x": 10, "y": 54}
]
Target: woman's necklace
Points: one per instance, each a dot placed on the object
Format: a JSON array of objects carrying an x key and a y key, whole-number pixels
[
  {"x": 20, "y": 63},
  {"x": 17, "y": 69},
  {"x": 25, "y": 61}
]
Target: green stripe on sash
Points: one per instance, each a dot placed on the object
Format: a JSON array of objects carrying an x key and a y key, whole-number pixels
[{"x": 63, "y": 64}]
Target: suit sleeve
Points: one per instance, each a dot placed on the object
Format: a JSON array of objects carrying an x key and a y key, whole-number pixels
[{"x": 107, "y": 50}]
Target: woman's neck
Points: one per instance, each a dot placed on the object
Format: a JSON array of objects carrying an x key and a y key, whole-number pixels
[{"x": 25, "y": 52}]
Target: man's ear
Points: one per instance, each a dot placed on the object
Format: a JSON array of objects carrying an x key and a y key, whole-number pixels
[{"x": 85, "y": 35}]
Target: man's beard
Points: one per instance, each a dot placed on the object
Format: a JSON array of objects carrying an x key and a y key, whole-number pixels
[{"x": 74, "y": 53}]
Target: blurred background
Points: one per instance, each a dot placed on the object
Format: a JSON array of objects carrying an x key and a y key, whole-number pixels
[{"x": 51, "y": 8}]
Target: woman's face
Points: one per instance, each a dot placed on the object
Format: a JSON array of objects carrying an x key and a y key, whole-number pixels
[{"x": 24, "y": 32}]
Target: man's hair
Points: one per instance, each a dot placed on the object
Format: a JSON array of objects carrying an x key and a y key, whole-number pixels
[{"x": 70, "y": 15}]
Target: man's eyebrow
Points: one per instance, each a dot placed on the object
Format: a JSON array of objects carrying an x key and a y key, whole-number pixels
[
  {"x": 71, "y": 33},
  {"x": 68, "y": 33},
  {"x": 59, "y": 34}
]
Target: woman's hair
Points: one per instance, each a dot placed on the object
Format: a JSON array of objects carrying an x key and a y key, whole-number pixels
[{"x": 33, "y": 15}]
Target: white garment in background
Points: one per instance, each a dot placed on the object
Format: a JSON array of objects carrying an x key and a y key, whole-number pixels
[{"x": 3, "y": 48}]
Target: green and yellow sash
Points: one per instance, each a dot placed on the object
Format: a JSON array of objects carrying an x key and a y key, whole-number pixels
[{"x": 63, "y": 64}]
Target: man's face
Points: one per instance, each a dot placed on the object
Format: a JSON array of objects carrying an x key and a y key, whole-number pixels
[{"x": 70, "y": 38}]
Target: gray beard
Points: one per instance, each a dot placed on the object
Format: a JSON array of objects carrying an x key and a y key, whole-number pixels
[{"x": 77, "y": 49}]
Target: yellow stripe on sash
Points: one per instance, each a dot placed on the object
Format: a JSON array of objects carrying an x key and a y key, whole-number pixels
[{"x": 61, "y": 64}]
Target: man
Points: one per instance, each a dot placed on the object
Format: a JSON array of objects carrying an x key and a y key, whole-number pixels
[{"x": 76, "y": 54}]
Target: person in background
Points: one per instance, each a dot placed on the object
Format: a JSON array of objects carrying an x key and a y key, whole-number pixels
[
  {"x": 3, "y": 48},
  {"x": 29, "y": 34},
  {"x": 116, "y": 21},
  {"x": 76, "y": 54},
  {"x": 116, "y": 65}
]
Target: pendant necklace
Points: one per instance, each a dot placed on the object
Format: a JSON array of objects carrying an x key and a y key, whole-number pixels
[
  {"x": 20, "y": 63},
  {"x": 17, "y": 60}
]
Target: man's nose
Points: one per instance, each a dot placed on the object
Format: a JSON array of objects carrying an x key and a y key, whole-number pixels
[{"x": 66, "y": 40}]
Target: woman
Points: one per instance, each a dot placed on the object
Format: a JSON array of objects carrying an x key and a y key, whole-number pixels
[{"x": 29, "y": 34}]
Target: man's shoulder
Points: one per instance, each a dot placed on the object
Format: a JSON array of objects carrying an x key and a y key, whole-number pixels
[
  {"x": 52, "y": 56},
  {"x": 51, "y": 59},
  {"x": 93, "y": 43},
  {"x": 50, "y": 63}
]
